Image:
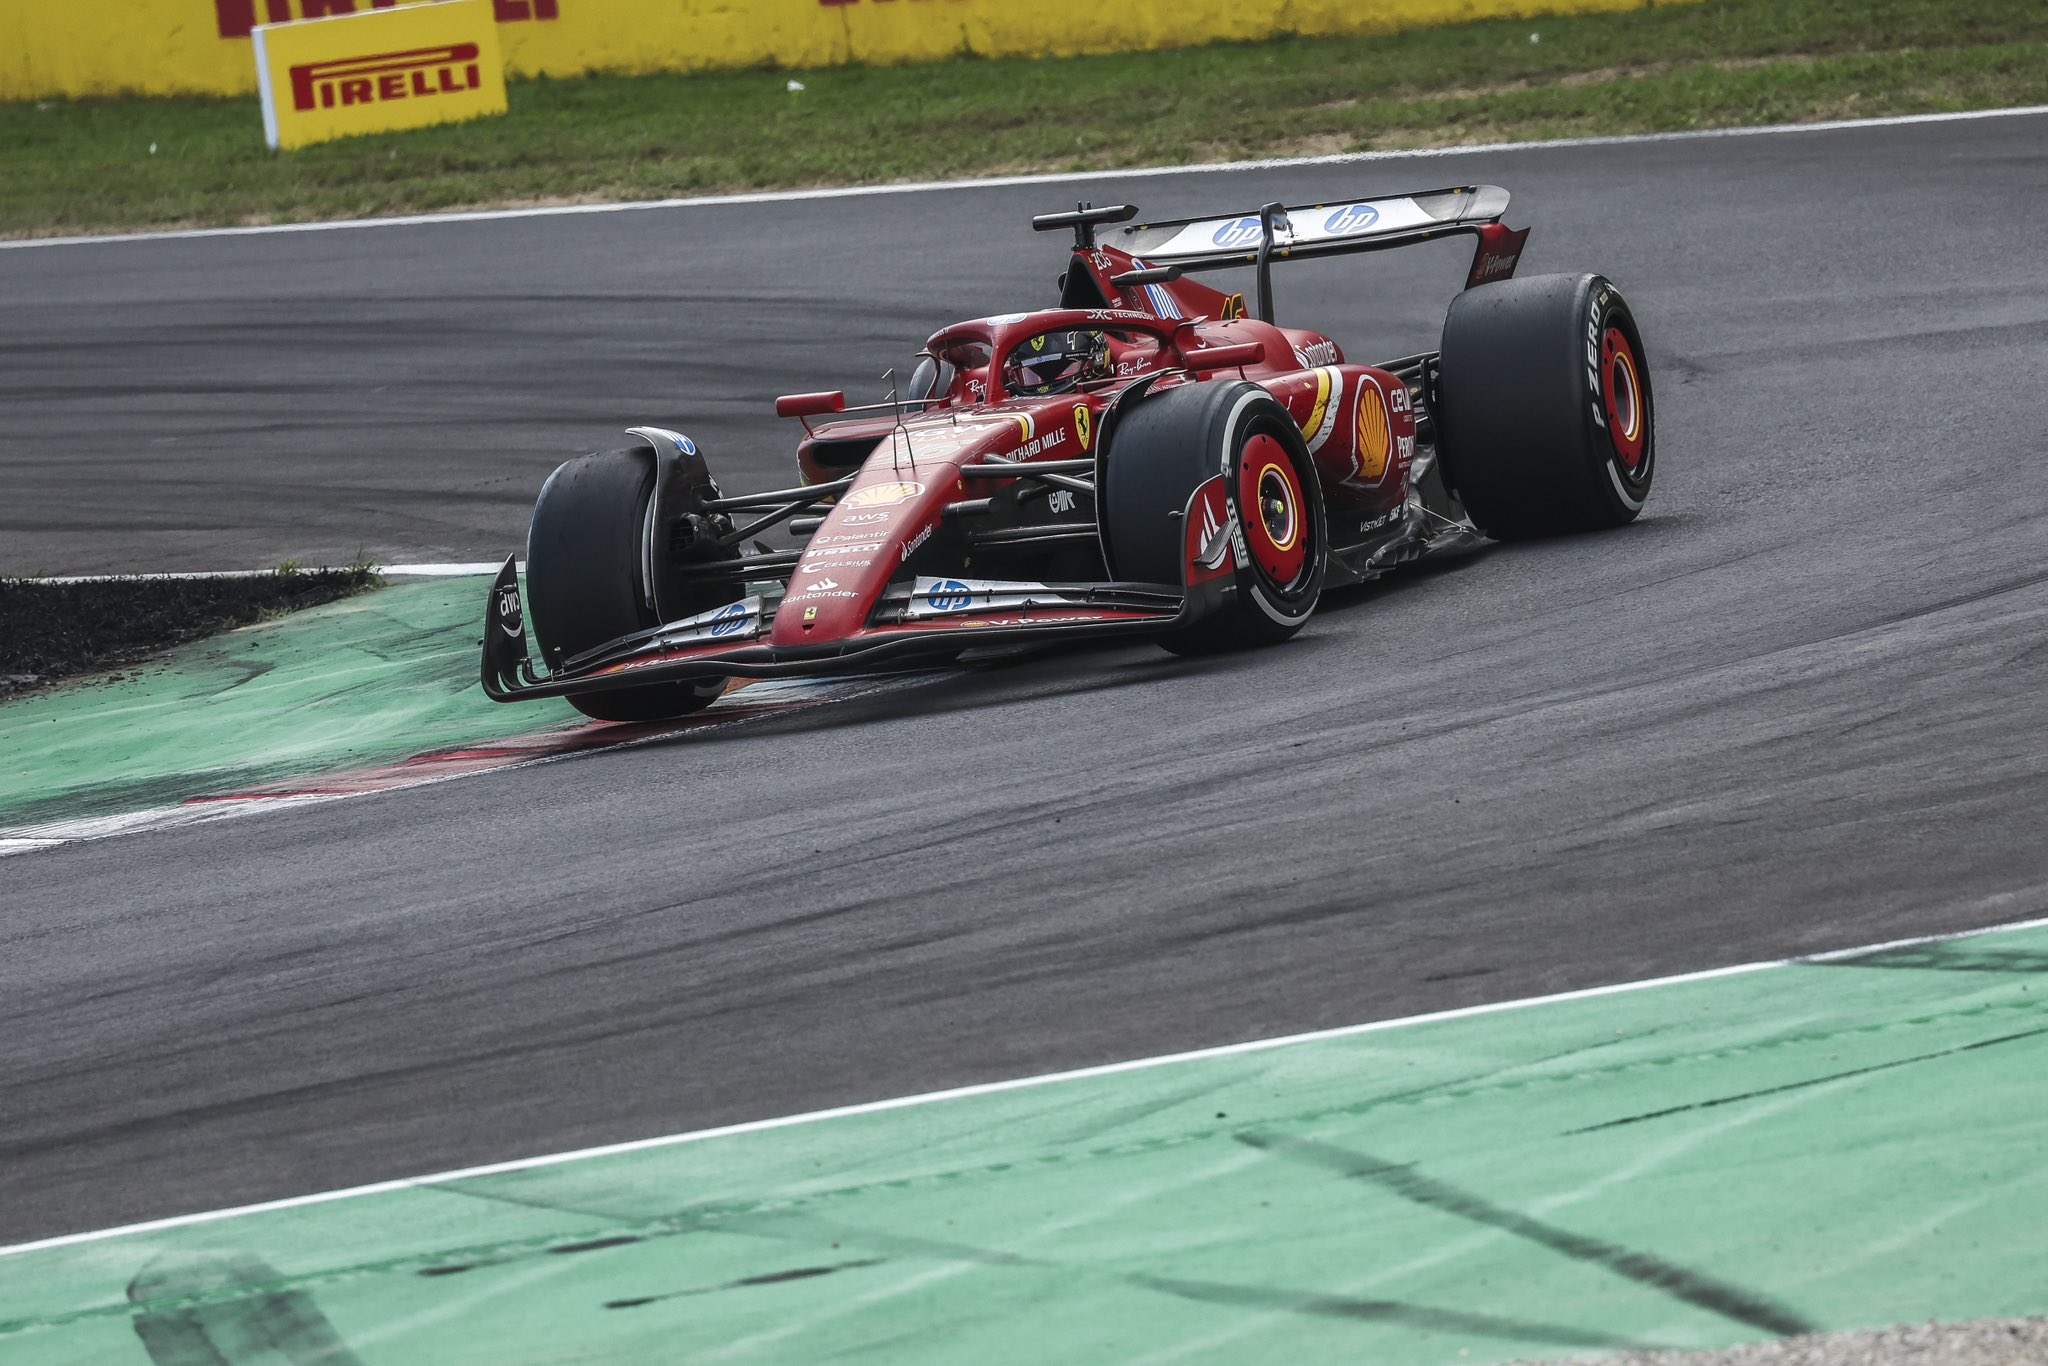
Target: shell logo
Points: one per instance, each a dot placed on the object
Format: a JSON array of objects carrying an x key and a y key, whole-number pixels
[
  {"x": 883, "y": 495},
  {"x": 1375, "y": 438}
]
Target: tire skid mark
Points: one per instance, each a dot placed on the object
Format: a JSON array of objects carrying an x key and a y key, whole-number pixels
[
  {"x": 229, "y": 1309},
  {"x": 801, "y": 1273},
  {"x": 1702, "y": 1291},
  {"x": 1807, "y": 1082},
  {"x": 1399, "y": 1312},
  {"x": 1944, "y": 958}
]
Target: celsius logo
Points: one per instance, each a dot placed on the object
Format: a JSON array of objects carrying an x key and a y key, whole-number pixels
[
  {"x": 731, "y": 620},
  {"x": 949, "y": 595},
  {"x": 1351, "y": 218},
  {"x": 1244, "y": 232},
  {"x": 421, "y": 72}
]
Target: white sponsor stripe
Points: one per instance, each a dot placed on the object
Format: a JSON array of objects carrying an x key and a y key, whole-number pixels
[
  {"x": 1023, "y": 1083},
  {"x": 1001, "y": 182}
]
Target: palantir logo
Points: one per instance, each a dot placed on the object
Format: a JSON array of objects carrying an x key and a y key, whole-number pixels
[
  {"x": 950, "y": 595},
  {"x": 424, "y": 71},
  {"x": 1350, "y": 219},
  {"x": 1244, "y": 232}
]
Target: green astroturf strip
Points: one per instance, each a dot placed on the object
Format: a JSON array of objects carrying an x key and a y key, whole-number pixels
[
  {"x": 366, "y": 680},
  {"x": 1818, "y": 1146}
]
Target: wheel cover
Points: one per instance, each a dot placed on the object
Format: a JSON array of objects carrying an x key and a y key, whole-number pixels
[
  {"x": 1621, "y": 390},
  {"x": 1275, "y": 511}
]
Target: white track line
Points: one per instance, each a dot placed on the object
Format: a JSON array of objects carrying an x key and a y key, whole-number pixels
[
  {"x": 445, "y": 571},
  {"x": 390, "y": 571},
  {"x": 1000, "y": 1087},
  {"x": 791, "y": 692},
  {"x": 1001, "y": 182},
  {"x": 36, "y": 839}
]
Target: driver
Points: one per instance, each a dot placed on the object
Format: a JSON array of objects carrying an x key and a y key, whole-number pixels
[{"x": 1056, "y": 362}]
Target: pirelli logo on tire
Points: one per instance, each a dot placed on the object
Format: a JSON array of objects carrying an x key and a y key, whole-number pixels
[{"x": 379, "y": 71}]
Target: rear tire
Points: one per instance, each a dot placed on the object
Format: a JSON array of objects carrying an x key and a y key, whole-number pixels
[
  {"x": 585, "y": 579},
  {"x": 1545, "y": 417},
  {"x": 1171, "y": 444}
]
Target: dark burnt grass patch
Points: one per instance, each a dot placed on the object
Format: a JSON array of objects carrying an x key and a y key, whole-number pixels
[{"x": 53, "y": 630}]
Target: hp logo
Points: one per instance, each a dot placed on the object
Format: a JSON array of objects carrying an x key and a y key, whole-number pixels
[
  {"x": 1244, "y": 232},
  {"x": 950, "y": 595},
  {"x": 1350, "y": 219},
  {"x": 731, "y": 619}
]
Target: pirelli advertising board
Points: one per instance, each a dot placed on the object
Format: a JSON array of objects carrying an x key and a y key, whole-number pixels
[
  {"x": 397, "y": 67},
  {"x": 104, "y": 47}
]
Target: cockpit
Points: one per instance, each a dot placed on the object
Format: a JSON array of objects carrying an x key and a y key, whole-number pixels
[{"x": 962, "y": 364}]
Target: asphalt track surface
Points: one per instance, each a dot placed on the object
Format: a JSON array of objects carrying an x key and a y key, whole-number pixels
[{"x": 1799, "y": 706}]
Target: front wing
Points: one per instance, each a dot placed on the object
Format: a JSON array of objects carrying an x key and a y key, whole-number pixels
[{"x": 925, "y": 618}]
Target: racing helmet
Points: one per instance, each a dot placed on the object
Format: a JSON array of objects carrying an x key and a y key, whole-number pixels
[{"x": 1056, "y": 362}]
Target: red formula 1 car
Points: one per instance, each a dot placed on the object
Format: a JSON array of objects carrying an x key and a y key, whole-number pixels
[{"x": 1150, "y": 457}]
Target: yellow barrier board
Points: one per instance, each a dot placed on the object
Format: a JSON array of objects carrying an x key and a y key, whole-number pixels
[
  {"x": 202, "y": 46},
  {"x": 390, "y": 68}
]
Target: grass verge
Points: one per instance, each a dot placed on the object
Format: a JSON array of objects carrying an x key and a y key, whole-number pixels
[
  {"x": 53, "y": 631},
  {"x": 94, "y": 165}
]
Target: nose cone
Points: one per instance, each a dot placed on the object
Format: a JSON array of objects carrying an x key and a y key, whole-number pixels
[{"x": 859, "y": 548}]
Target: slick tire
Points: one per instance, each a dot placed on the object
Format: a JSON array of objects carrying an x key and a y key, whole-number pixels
[
  {"x": 1546, "y": 423},
  {"x": 1170, "y": 445},
  {"x": 584, "y": 579}
]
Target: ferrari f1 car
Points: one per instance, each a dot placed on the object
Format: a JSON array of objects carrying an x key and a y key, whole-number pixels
[{"x": 1150, "y": 457}]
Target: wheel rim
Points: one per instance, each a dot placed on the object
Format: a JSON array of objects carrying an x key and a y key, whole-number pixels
[
  {"x": 1621, "y": 391},
  {"x": 1275, "y": 511}
]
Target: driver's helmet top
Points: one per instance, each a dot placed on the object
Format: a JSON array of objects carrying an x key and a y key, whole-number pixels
[{"x": 1056, "y": 362}]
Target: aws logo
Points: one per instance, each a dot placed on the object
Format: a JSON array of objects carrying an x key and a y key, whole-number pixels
[{"x": 421, "y": 72}]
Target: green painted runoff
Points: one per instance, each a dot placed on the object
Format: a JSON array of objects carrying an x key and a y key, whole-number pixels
[
  {"x": 1817, "y": 1146},
  {"x": 366, "y": 680}
]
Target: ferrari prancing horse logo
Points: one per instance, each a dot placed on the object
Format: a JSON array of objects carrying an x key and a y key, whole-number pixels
[{"x": 1081, "y": 419}]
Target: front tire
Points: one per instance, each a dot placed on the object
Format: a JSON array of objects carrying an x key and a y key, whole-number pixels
[
  {"x": 1170, "y": 445},
  {"x": 585, "y": 579},
  {"x": 1545, "y": 417}
]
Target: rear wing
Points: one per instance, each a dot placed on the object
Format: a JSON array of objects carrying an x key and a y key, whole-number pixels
[{"x": 1281, "y": 232}]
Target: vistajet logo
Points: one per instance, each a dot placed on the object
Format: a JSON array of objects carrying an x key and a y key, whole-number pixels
[{"x": 417, "y": 74}]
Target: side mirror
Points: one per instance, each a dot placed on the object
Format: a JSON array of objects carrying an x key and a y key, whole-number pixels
[
  {"x": 811, "y": 405},
  {"x": 1225, "y": 357}
]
